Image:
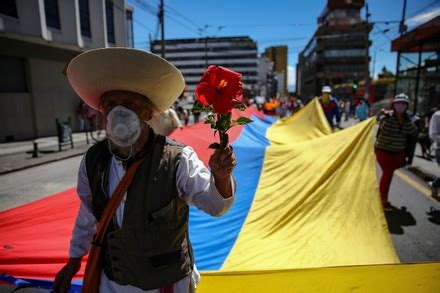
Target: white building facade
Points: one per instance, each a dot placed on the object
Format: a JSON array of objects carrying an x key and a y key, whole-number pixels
[
  {"x": 193, "y": 56},
  {"x": 37, "y": 40}
]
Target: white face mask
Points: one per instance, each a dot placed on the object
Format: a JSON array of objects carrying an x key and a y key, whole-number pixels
[
  {"x": 123, "y": 126},
  {"x": 400, "y": 108}
]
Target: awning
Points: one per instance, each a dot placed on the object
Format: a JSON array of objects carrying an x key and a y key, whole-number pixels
[{"x": 425, "y": 38}]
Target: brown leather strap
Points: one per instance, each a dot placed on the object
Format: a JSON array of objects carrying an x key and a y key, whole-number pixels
[
  {"x": 114, "y": 202},
  {"x": 92, "y": 273}
]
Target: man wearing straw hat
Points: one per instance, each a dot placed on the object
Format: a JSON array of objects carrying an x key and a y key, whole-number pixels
[{"x": 135, "y": 187}]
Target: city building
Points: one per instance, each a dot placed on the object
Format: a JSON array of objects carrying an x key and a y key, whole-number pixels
[
  {"x": 38, "y": 38},
  {"x": 267, "y": 83},
  {"x": 418, "y": 66},
  {"x": 281, "y": 85},
  {"x": 193, "y": 56},
  {"x": 278, "y": 55},
  {"x": 338, "y": 51}
]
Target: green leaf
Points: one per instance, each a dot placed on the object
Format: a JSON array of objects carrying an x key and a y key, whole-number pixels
[
  {"x": 199, "y": 108},
  {"x": 242, "y": 121},
  {"x": 214, "y": 146},
  {"x": 239, "y": 105},
  {"x": 209, "y": 122},
  {"x": 210, "y": 119},
  {"x": 221, "y": 122}
]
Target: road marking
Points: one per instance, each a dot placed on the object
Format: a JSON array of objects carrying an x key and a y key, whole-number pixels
[{"x": 424, "y": 190}]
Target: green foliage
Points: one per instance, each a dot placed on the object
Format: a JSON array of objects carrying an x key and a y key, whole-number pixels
[
  {"x": 200, "y": 108},
  {"x": 221, "y": 123},
  {"x": 210, "y": 119},
  {"x": 239, "y": 105},
  {"x": 214, "y": 146},
  {"x": 241, "y": 121}
]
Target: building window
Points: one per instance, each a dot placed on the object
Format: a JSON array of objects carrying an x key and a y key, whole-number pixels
[
  {"x": 12, "y": 75},
  {"x": 110, "y": 21},
  {"x": 52, "y": 14},
  {"x": 129, "y": 24},
  {"x": 84, "y": 14},
  {"x": 9, "y": 8},
  {"x": 345, "y": 53}
]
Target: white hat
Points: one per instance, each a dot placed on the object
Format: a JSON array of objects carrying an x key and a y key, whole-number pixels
[
  {"x": 401, "y": 98},
  {"x": 326, "y": 89},
  {"x": 98, "y": 71}
]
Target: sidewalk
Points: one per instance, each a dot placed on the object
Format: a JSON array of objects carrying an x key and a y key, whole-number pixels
[
  {"x": 422, "y": 168},
  {"x": 17, "y": 156}
]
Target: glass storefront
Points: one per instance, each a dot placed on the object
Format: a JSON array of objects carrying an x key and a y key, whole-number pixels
[{"x": 420, "y": 83}]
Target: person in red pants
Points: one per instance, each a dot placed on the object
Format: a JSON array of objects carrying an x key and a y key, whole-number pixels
[{"x": 393, "y": 136}]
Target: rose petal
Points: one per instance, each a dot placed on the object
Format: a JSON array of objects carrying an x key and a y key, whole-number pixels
[
  {"x": 203, "y": 92},
  {"x": 233, "y": 88},
  {"x": 222, "y": 104},
  {"x": 219, "y": 86}
]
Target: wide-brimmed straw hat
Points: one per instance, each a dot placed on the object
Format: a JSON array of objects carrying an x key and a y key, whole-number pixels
[{"x": 98, "y": 71}]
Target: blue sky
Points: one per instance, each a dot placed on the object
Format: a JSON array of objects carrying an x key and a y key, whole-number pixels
[{"x": 272, "y": 22}]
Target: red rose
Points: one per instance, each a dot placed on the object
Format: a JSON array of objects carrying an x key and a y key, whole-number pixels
[{"x": 219, "y": 87}]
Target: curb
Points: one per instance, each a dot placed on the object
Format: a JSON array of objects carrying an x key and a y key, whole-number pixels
[
  {"x": 422, "y": 173},
  {"x": 42, "y": 163}
]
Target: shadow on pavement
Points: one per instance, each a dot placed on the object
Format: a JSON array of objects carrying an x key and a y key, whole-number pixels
[
  {"x": 434, "y": 216},
  {"x": 425, "y": 158},
  {"x": 398, "y": 218}
]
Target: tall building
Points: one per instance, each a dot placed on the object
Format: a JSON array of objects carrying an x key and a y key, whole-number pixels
[
  {"x": 267, "y": 86},
  {"x": 338, "y": 51},
  {"x": 38, "y": 38},
  {"x": 193, "y": 56},
  {"x": 278, "y": 55}
]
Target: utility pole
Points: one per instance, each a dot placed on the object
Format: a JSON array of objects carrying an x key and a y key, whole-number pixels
[
  {"x": 402, "y": 27},
  {"x": 206, "y": 52},
  {"x": 206, "y": 44},
  {"x": 367, "y": 54},
  {"x": 402, "y": 30},
  {"x": 162, "y": 28},
  {"x": 374, "y": 63}
]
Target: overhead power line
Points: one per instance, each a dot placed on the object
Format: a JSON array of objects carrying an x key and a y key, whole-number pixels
[
  {"x": 424, "y": 8},
  {"x": 172, "y": 10},
  {"x": 134, "y": 19}
]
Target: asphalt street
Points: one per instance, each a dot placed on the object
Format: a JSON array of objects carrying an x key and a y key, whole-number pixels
[{"x": 414, "y": 224}]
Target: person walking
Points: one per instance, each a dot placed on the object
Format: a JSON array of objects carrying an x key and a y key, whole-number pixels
[
  {"x": 434, "y": 134},
  {"x": 395, "y": 133},
  {"x": 330, "y": 107},
  {"x": 361, "y": 111}
]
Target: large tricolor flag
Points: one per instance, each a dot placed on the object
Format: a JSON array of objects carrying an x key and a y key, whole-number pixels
[{"x": 307, "y": 217}]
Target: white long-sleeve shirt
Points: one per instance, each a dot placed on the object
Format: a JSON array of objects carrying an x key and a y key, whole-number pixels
[
  {"x": 195, "y": 186},
  {"x": 434, "y": 128}
]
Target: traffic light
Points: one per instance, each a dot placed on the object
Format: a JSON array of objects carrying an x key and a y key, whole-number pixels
[{"x": 355, "y": 86}]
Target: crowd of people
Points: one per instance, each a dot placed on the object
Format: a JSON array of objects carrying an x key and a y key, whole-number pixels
[
  {"x": 133, "y": 222},
  {"x": 397, "y": 134}
]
